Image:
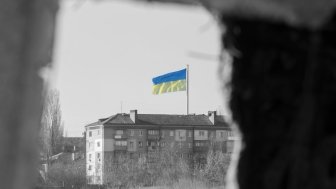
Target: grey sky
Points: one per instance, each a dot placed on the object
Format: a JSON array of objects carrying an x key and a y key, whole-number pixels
[{"x": 109, "y": 52}]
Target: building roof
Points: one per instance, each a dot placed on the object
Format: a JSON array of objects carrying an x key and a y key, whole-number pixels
[{"x": 161, "y": 120}]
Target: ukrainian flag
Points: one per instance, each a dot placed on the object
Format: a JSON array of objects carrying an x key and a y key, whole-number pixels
[{"x": 170, "y": 82}]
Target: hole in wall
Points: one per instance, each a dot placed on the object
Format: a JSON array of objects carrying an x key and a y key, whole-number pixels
[{"x": 106, "y": 55}]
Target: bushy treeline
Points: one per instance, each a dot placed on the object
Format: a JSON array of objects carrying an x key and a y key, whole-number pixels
[
  {"x": 69, "y": 174},
  {"x": 162, "y": 168},
  {"x": 166, "y": 168}
]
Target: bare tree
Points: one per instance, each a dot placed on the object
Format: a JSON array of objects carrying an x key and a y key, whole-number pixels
[{"x": 51, "y": 134}]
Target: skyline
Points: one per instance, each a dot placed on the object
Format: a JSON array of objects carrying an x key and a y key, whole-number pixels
[{"x": 106, "y": 54}]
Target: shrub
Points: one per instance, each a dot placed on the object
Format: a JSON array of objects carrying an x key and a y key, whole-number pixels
[
  {"x": 215, "y": 169},
  {"x": 71, "y": 173},
  {"x": 165, "y": 168}
]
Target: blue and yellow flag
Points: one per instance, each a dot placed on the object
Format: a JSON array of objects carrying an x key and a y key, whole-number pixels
[{"x": 170, "y": 82}]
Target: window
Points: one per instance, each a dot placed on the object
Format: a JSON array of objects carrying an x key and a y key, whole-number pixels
[
  {"x": 190, "y": 156},
  {"x": 171, "y": 133},
  {"x": 201, "y": 133},
  {"x": 90, "y": 133},
  {"x": 199, "y": 144},
  {"x": 181, "y": 155},
  {"x": 98, "y": 144},
  {"x": 132, "y": 132},
  {"x": 189, "y": 145},
  {"x": 163, "y": 144},
  {"x": 162, "y": 134},
  {"x": 231, "y": 133},
  {"x": 222, "y": 134},
  {"x": 91, "y": 145},
  {"x": 90, "y": 156},
  {"x": 189, "y": 133},
  {"x": 180, "y": 144},
  {"x": 90, "y": 167},
  {"x": 98, "y": 157},
  {"x": 131, "y": 144},
  {"x": 121, "y": 143},
  {"x": 141, "y": 133},
  {"x": 98, "y": 132},
  {"x": 140, "y": 144},
  {"x": 119, "y": 132},
  {"x": 153, "y": 132}
]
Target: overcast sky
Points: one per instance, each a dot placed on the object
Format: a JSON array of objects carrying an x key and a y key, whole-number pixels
[{"x": 107, "y": 53}]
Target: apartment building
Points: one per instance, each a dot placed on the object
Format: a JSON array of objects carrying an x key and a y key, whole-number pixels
[{"x": 138, "y": 135}]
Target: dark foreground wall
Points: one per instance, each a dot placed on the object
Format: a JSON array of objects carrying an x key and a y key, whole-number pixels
[
  {"x": 26, "y": 38},
  {"x": 283, "y": 97},
  {"x": 284, "y": 100}
]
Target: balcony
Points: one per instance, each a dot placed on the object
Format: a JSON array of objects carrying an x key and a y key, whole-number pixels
[
  {"x": 120, "y": 148},
  {"x": 120, "y": 145},
  {"x": 153, "y": 145},
  {"x": 201, "y": 146},
  {"x": 120, "y": 137},
  {"x": 153, "y": 148},
  {"x": 153, "y": 137}
]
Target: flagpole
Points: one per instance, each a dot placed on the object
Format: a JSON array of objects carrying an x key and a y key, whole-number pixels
[{"x": 187, "y": 89}]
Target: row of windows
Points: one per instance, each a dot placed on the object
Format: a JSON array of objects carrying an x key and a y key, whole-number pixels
[
  {"x": 180, "y": 133},
  {"x": 149, "y": 143},
  {"x": 153, "y": 143},
  {"x": 98, "y": 157},
  {"x": 171, "y": 133},
  {"x": 90, "y": 133},
  {"x": 200, "y": 144},
  {"x": 121, "y": 132},
  {"x": 123, "y": 143},
  {"x": 98, "y": 167},
  {"x": 91, "y": 145}
]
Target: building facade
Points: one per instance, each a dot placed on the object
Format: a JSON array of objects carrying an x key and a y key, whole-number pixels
[{"x": 138, "y": 135}]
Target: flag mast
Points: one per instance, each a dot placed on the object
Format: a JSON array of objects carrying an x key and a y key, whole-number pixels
[{"x": 187, "y": 89}]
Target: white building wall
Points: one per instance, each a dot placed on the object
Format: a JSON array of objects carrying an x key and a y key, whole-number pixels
[
  {"x": 98, "y": 145},
  {"x": 94, "y": 145}
]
